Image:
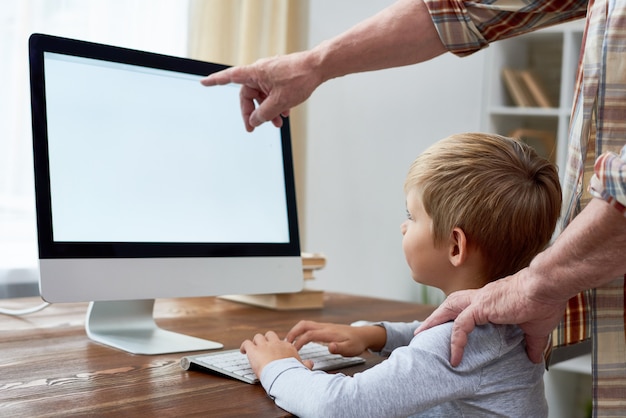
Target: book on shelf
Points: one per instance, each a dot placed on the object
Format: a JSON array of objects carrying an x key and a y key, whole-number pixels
[
  {"x": 537, "y": 91},
  {"x": 525, "y": 88}
]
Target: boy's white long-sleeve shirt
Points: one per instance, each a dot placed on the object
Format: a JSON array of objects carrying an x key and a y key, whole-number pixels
[{"x": 495, "y": 378}]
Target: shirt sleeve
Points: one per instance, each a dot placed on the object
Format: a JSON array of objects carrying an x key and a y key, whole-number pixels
[
  {"x": 399, "y": 334},
  {"x": 466, "y": 26},
  {"x": 609, "y": 179},
  {"x": 419, "y": 376}
]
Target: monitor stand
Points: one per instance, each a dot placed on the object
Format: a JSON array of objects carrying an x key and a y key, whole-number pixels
[{"x": 129, "y": 325}]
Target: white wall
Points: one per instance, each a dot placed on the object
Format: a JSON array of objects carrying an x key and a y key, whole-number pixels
[{"x": 363, "y": 132}]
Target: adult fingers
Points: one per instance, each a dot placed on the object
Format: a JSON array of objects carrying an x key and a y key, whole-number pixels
[
  {"x": 448, "y": 310},
  {"x": 267, "y": 109},
  {"x": 238, "y": 75},
  {"x": 454, "y": 308},
  {"x": 463, "y": 325},
  {"x": 535, "y": 347},
  {"x": 248, "y": 99},
  {"x": 258, "y": 108}
]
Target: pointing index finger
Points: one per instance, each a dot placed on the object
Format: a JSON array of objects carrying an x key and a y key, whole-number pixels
[{"x": 229, "y": 75}]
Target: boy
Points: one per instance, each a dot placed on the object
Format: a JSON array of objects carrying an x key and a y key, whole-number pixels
[{"x": 479, "y": 208}]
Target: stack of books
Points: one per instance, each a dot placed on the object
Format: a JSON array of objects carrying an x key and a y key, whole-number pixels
[{"x": 307, "y": 298}]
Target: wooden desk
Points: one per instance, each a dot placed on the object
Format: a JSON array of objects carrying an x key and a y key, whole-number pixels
[{"x": 48, "y": 366}]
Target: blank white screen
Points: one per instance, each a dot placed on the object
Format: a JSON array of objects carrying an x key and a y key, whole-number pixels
[{"x": 145, "y": 155}]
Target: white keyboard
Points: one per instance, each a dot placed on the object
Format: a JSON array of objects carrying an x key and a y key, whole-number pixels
[{"x": 234, "y": 364}]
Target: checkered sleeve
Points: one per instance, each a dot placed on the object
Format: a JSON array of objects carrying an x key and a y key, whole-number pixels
[
  {"x": 609, "y": 179},
  {"x": 468, "y": 26}
]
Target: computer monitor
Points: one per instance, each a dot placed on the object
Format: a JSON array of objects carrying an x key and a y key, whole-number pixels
[{"x": 148, "y": 186}]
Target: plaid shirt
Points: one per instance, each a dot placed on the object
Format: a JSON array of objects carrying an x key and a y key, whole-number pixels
[{"x": 598, "y": 126}]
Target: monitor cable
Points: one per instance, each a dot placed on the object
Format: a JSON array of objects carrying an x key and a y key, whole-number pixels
[{"x": 26, "y": 311}]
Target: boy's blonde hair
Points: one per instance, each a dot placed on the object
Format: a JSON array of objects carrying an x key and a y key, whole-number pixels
[{"x": 504, "y": 196}]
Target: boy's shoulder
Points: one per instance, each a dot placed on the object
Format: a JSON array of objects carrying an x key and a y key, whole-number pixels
[{"x": 486, "y": 341}]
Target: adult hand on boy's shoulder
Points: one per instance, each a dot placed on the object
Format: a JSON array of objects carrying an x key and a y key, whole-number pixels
[
  {"x": 504, "y": 301},
  {"x": 265, "y": 348}
]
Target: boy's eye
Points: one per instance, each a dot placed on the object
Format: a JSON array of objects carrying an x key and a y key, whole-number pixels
[{"x": 408, "y": 215}]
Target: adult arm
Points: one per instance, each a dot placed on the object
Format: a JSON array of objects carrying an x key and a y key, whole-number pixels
[
  {"x": 589, "y": 253},
  {"x": 407, "y": 32},
  {"x": 399, "y": 35}
]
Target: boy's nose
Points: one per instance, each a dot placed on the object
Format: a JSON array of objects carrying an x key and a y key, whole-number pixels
[{"x": 403, "y": 227}]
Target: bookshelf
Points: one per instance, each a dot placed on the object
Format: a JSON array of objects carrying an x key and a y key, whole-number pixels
[
  {"x": 550, "y": 58},
  {"x": 543, "y": 62}
]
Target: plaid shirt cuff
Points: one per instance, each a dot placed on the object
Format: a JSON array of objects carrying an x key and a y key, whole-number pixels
[
  {"x": 609, "y": 181},
  {"x": 466, "y": 26}
]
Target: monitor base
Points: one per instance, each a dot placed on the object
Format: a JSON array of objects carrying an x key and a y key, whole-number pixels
[{"x": 129, "y": 326}]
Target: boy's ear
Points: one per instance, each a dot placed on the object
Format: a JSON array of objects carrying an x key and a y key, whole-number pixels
[{"x": 458, "y": 250}]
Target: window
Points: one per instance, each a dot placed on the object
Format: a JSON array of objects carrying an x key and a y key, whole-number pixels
[{"x": 152, "y": 25}]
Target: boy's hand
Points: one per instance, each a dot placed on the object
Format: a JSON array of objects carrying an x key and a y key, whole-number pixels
[
  {"x": 264, "y": 349},
  {"x": 341, "y": 339}
]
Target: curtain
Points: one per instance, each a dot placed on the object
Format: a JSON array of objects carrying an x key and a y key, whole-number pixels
[{"x": 239, "y": 32}]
